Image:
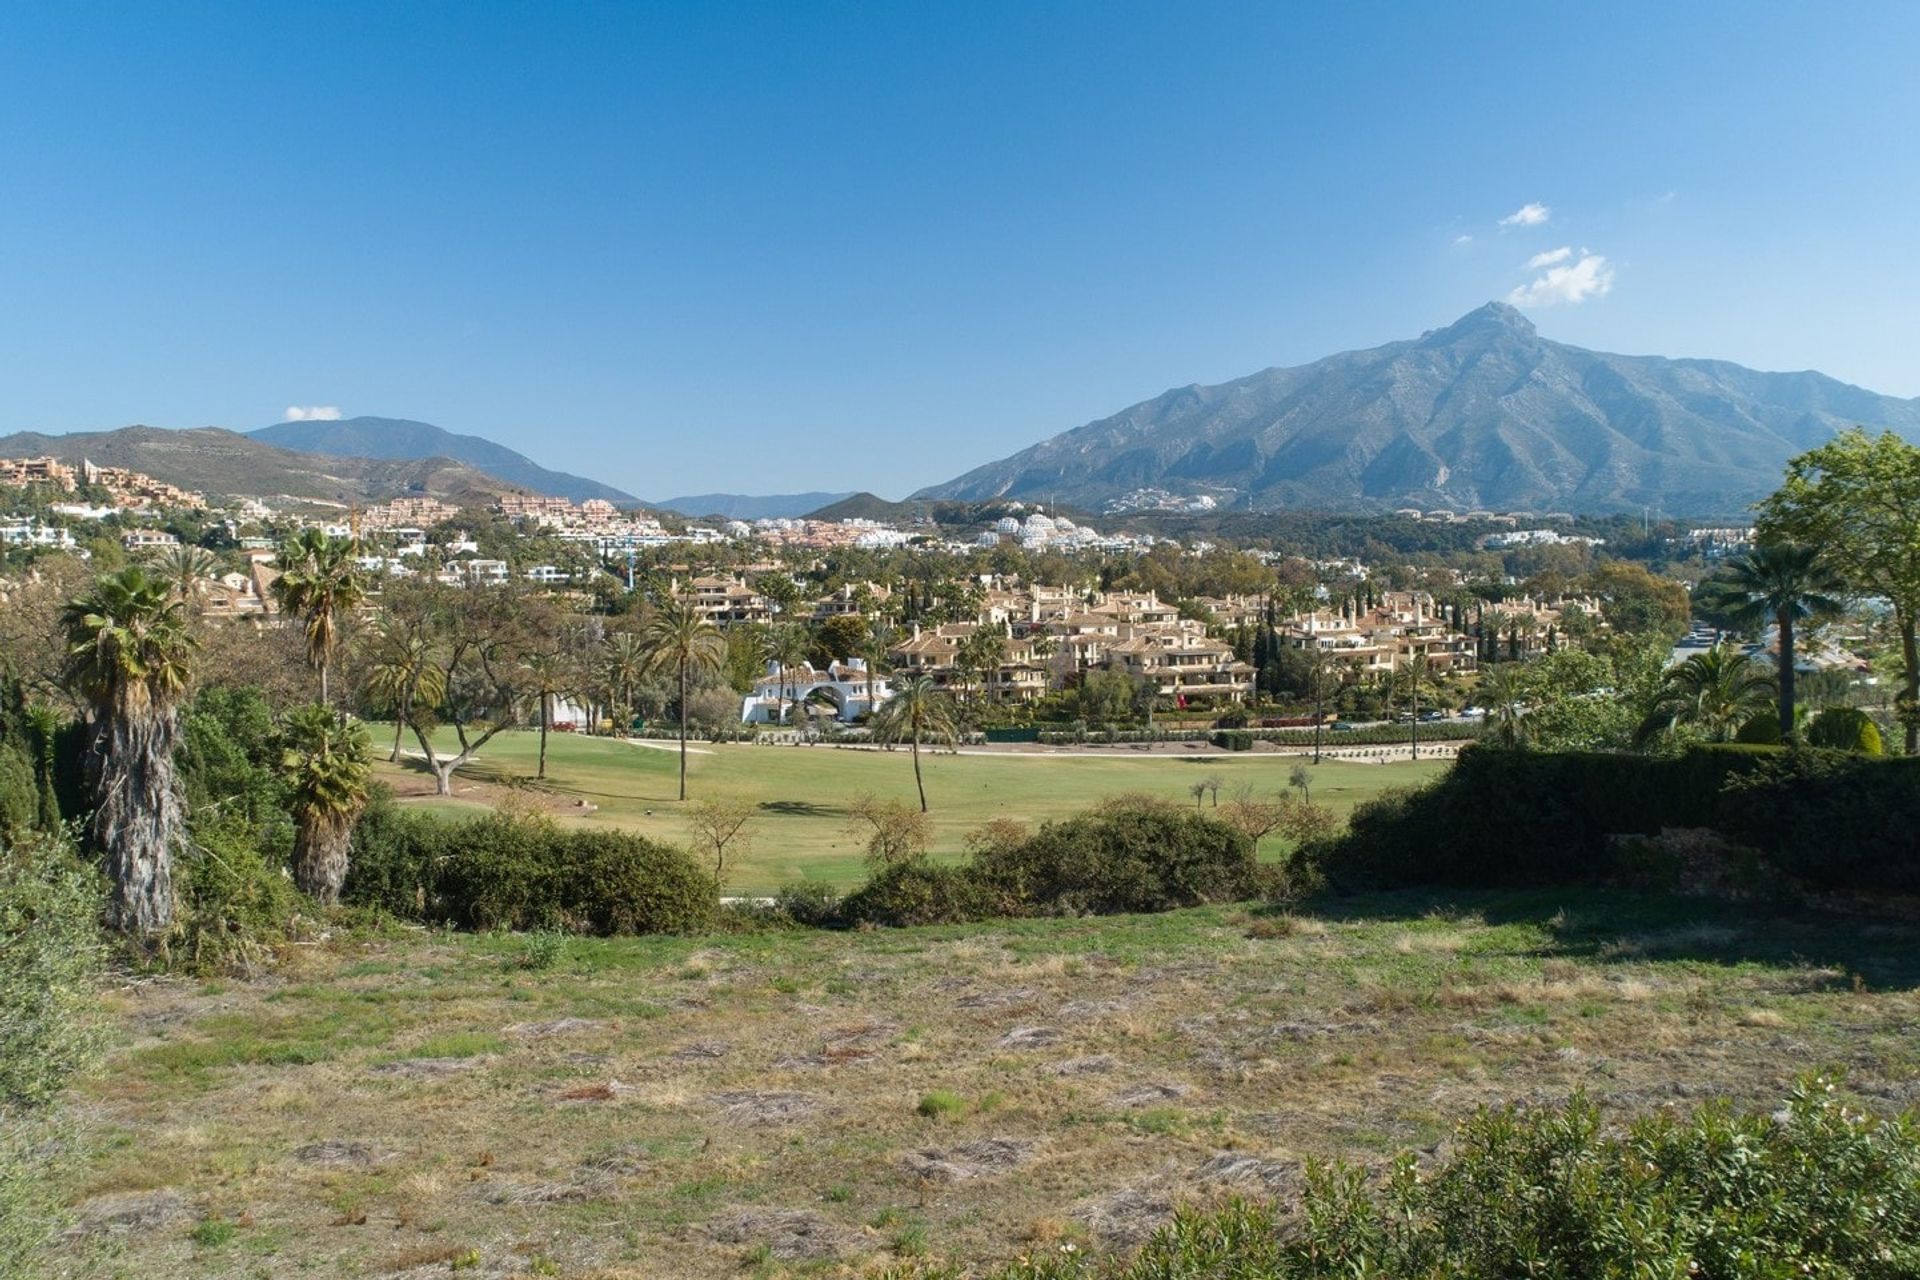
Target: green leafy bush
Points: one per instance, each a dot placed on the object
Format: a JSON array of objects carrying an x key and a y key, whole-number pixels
[
  {"x": 50, "y": 964},
  {"x": 1834, "y": 820},
  {"x": 1845, "y": 729},
  {"x": 503, "y": 872},
  {"x": 1827, "y": 1190},
  {"x": 808, "y": 902},
  {"x": 1233, "y": 739},
  {"x": 922, "y": 892},
  {"x": 19, "y": 793},
  {"x": 236, "y": 899}
]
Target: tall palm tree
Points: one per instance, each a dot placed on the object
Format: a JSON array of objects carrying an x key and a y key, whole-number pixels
[
  {"x": 321, "y": 582},
  {"x": 1418, "y": 669},
  {"x": 129, "y": 656},
  {"x": 549, "y": 676},
  {"x": 326, "y": 763},
  {"x": 919, "y": 711},
  {"x": 623, "y": 665},
  {"x": 787, "y": 648},
  {"x": 679, "y": 640},
  {"x": 1715, "y": 692},
  {"x": 187, "y": 567},
  {"x": 882, "y": 638},
  {"x": 1784, "y": 584},
  {"x": 404, "y": 674},
  {"x": 1503, "y": 694}
]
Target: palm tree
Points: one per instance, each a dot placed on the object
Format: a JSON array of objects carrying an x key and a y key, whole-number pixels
[
  {"x": 187, "y": 567},
  {"x": 129, "y": 655},
  {"x": 920, "y": 710},
  {"x": 404, "y": 674},
  {"x": 1417, "y": 671},
  {"x": 326, "y": 765},
  {"x": 550, "y": 675},
  {"x": 882, "y": 638},
  {"x": 1715, "y": 692},
  {"x": 623, "y": 666},
  {"x": 1502, "y": 694},
  {"x": 1784, "y": 584},
  {"x": 321, "y": 582},
  {"x": 679, "y": 640},
  {"x": 787, "y": 648}
]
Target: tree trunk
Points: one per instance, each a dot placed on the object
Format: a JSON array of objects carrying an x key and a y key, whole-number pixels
[
  {"x": 1414, "y": 724},
  {"x": 1785, "y": 620},
  {"x": 1910, "y": 713},
  {"x": 918, "y": 782},
  {"x": 399, "y": 727},
  {"x": 545, "y": 717},
  {"x": 139, "y": 818},
  {"x": 683, "y": 730},
  {"x": 320, "y": 847},
  {"x": 325, "y": 700}
]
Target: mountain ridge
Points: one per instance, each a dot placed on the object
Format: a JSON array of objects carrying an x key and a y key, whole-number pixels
[
  {"x": 393, "y": 439},
  {"x": 751, "y": 506},
  {"x": 1479, "y": 413}
]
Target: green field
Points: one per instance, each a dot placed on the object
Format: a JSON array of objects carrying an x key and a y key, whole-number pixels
[{"x": 803, "y": 792}]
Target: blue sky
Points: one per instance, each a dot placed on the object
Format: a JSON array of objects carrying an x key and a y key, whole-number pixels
[{"x": 781, "y": 247}]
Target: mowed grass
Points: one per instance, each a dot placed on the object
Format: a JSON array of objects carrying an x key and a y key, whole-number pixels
[
  {"x": 811, "y": 1103},
  {"x": 802, "y": 793}
]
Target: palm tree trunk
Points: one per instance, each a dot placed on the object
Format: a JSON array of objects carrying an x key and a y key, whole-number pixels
[
  {"x": 1785, "y": 620},
  {"x": 918, "y": 781},
  {"x": 139, "y": 819},
  {"x": 683, "y": 728},
  {"x": 399, "y": 727},
  {"x": 325, "y": 701},
  {"x": 1910, "y": 714},
  {"x": 1414, "y": 724}
]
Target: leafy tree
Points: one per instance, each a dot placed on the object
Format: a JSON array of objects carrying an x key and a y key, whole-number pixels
[
  {"x": 718, "y": 828},
  {"x": 129, "y": 656},
  {"x": 623, "y": 666},
  {"x": 842, "y": 636},
  {"x": 894, "y": 832},
  {"x": 920, "y": 710},
  {"x": 1634, "y": 600},
  {"x": 1713, "y": 693},
  {"x": 681, "y": 642},
  {"x": 1845, "y": 729},
  {"x": 1857, "y": 498},
  {"x": 403, "y": 673},
  {"x": 480, "y": 644},
  {"x": 327, "y": 765},
  {"x": 1784, "y": 583},
  {"x": 320, "y": 582}
]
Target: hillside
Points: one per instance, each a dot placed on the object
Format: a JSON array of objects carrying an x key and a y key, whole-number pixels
[
  {"x": 219, "y": 462},
  {"x": 747, "y": 506},
  {"x": 1484, "y": 413},
  {"x": 402, "y": 438}
]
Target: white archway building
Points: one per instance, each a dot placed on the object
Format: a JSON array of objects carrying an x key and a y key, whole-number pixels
[{"x": 843, "y": 683}]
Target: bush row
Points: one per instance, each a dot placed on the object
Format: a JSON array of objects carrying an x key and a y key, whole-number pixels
[
  {"x": 1136, "y": 855},
  {"x": 507, "y": 872},
  {"x": 1382, "y": 735},
  {"x": 1504, "y": 817}
]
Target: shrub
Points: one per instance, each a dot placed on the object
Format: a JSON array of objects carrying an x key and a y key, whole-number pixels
[
  {"x": 19, "y": 793},
  {"x": 1833, "y": 820},
  {"x": 921, "y": 892},
  {"x": 894, "y": 830},
  {"x": 1233, "y": 740},
  {"x": 1845, "y": 729},
  {"x": 235, "y": 898},
  {"x": 522, "y": 873},
  {"x": 808, "y": 902},
  {"x": 1826, "y": 1190},
  {"x": 1132, "y": 855},
  {"x": 50, "y": 964}
]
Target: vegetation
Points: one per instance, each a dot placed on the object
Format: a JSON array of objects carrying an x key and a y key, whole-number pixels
[
  {"x": 327, "y": 764},
  {"x": 321, "y": 583},
  {"x": 1786, "y": 585},
  {"x": 920, "y": 711},
  {"x": 680, "y": 642}
]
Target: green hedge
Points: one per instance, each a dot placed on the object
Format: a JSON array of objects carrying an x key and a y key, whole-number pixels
[
  {"x": 516, "y": 873},
  {"x": 1130, "y": 856},
  {"x": 1503, "y": 817}
]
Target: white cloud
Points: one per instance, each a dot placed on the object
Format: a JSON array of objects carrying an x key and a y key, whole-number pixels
[
  {"x": 312, "y": 413},
  {"x": 1462, "y": 239},
  {"x": 1566, "y": 282},
  {"x": 1549, "y": 258},
  {"x": 1531, "y": 214}
]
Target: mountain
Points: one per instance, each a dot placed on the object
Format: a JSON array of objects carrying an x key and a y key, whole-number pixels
[
  {"x": 744, "y": 506},
  {"x": 1483, "y": 414},
  {"x": 394, "y": 438},
  {"x": 213, "y": 461}
]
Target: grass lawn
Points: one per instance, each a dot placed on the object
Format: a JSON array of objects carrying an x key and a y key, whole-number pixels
[
  {"x": 802, "y": 792},
  {"x": 798, "y": 1103}
]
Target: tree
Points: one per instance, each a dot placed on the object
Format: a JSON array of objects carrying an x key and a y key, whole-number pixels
[
  {"x": 882, "y": 638},
  {"x": 320, "y": 582},
  {"x": 187, "y": 567},
  {"x": 1714, "y": 693},
  {"x": 480, "y": 647},
  {"x": 680, "y": 641},
  {"x": 919, "y": 711},
  {"x": 981, "y": 654},
  {"x": 327, "y": 764},
  {"x": 1300, "y": 778},
  {"x": 787, "y": 648},
  {"x": 894, "y": 832},
  {"x": 402, "y": 672},
  {"x": 129, "y": 656},
  {"x": 548, "y": 676},
  {"x": 623, "y": 665},
  {"x": 1784, "y": 583},
  {"x": 717, "y": 828},
  {"x": 1417, "y": 671},
  {"x": 1502, "y": 693},
  {"x": 1857, "y": 498}
]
